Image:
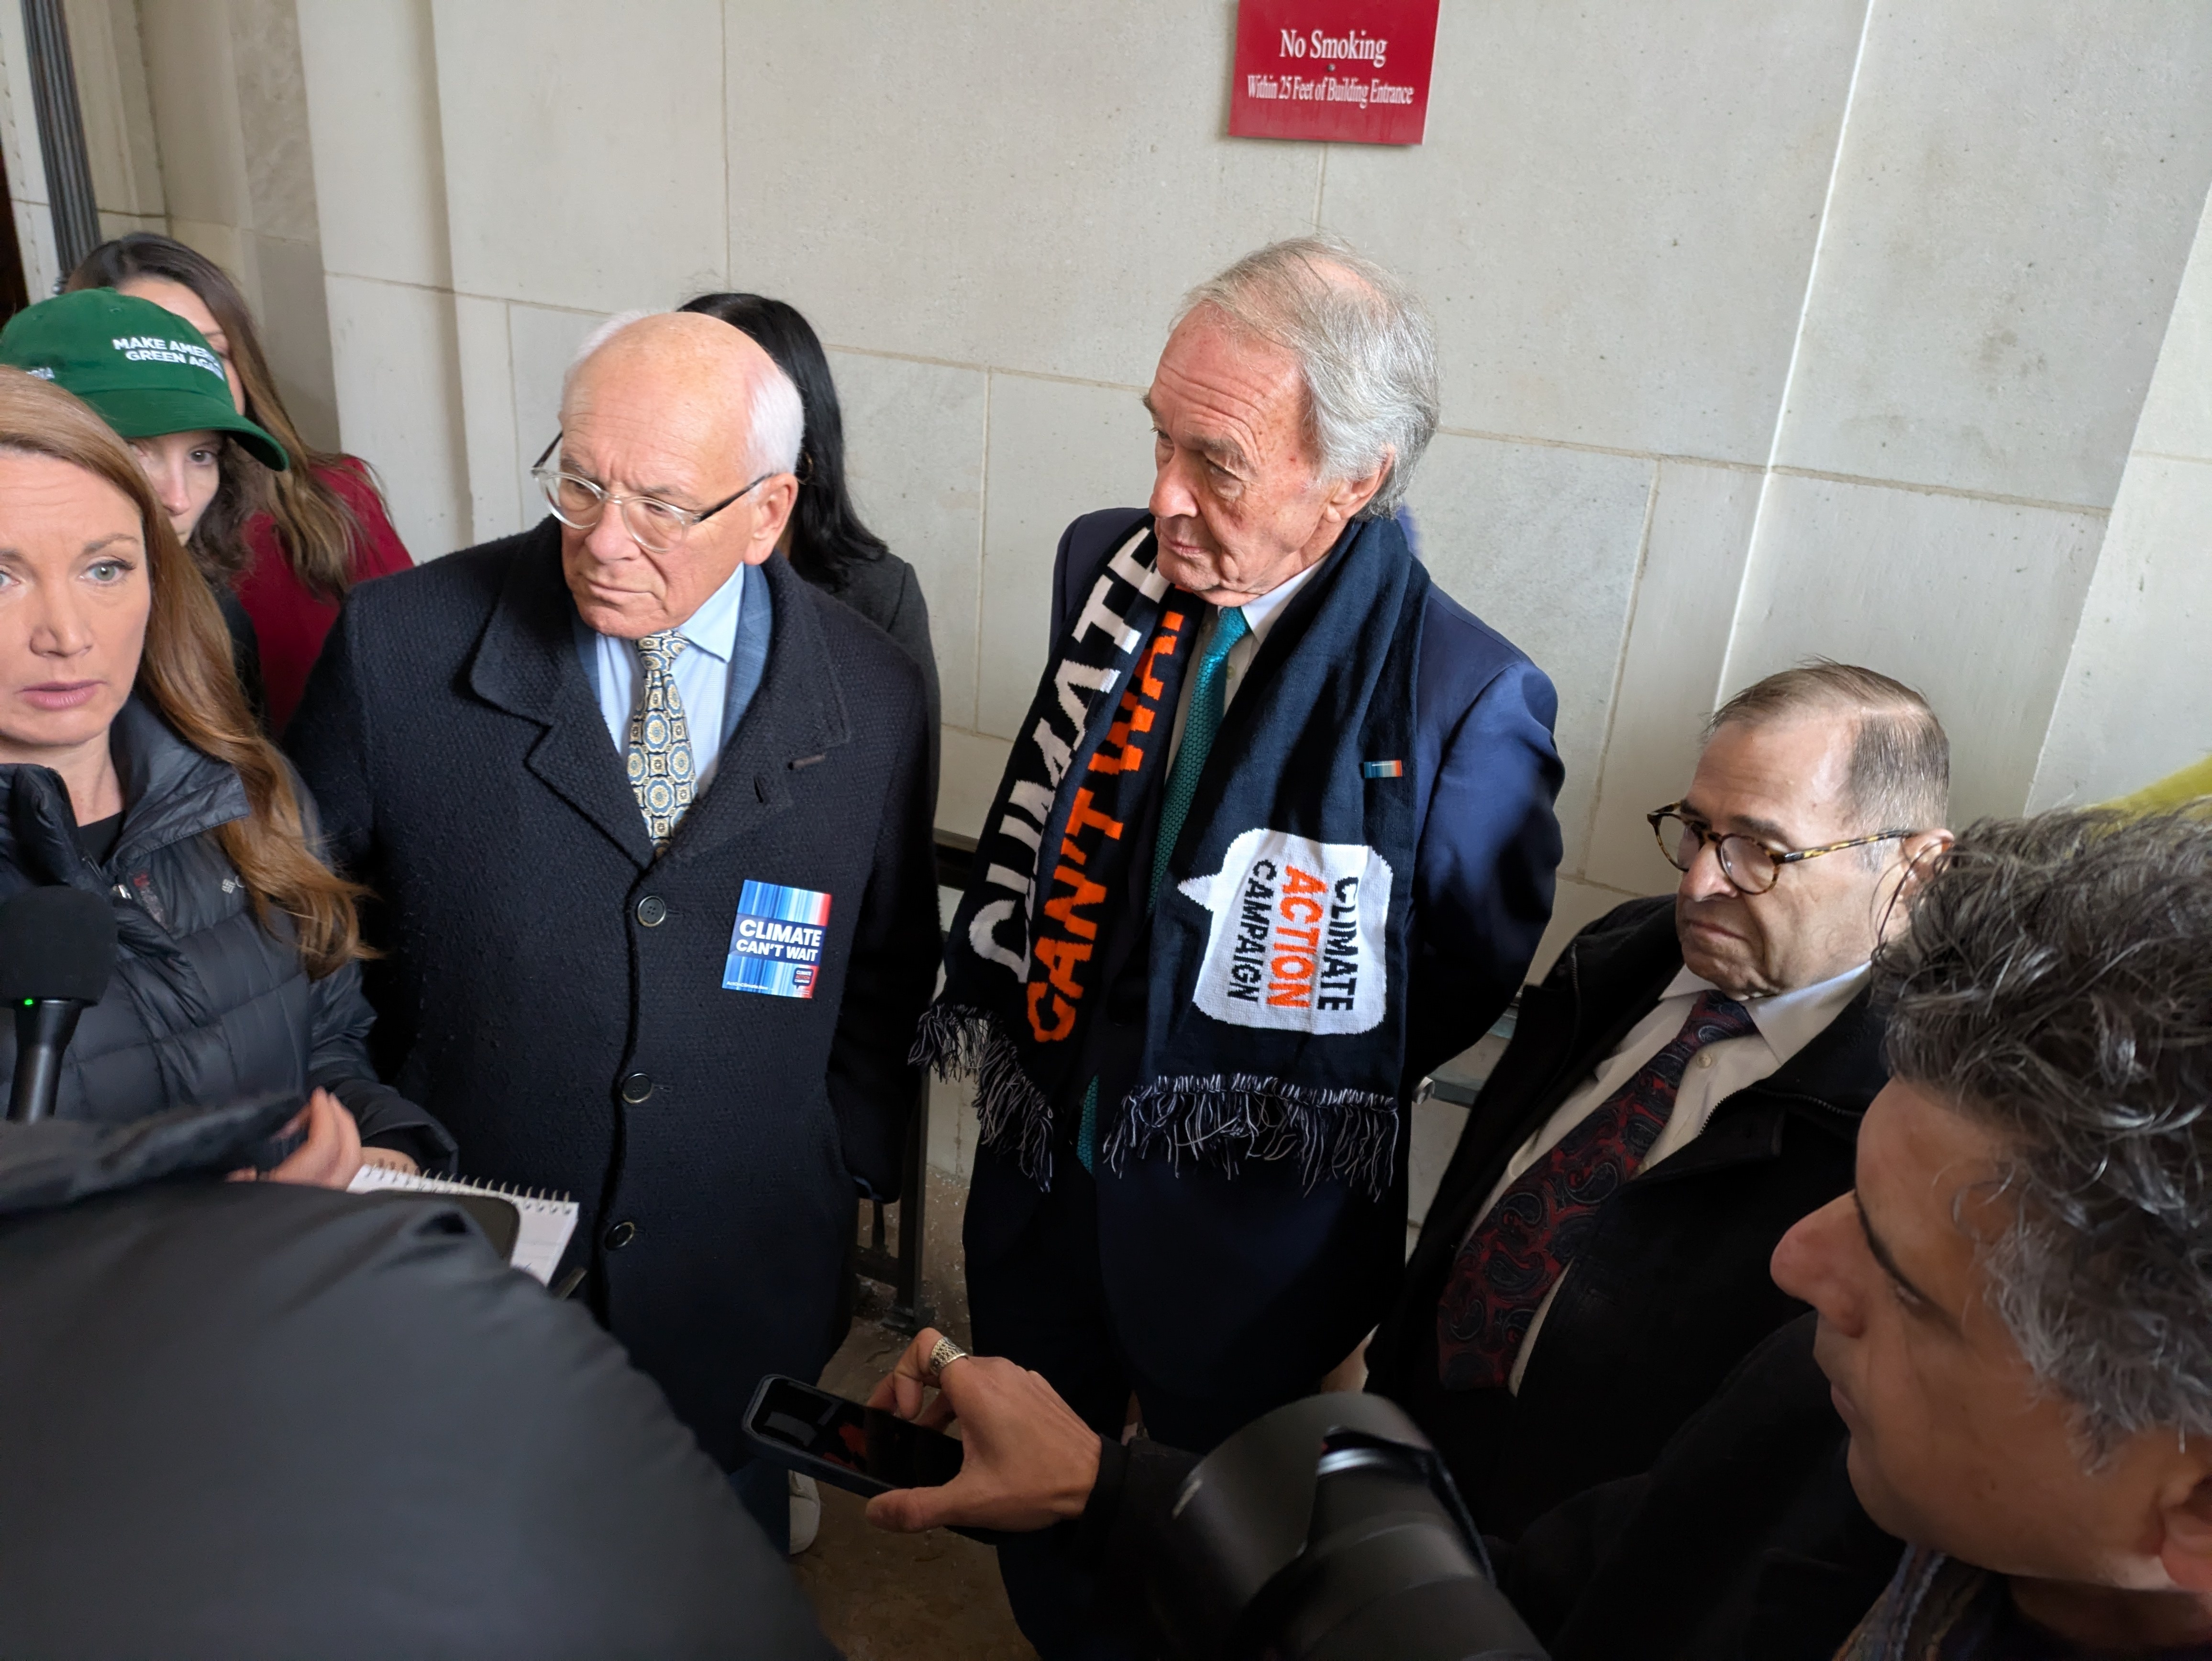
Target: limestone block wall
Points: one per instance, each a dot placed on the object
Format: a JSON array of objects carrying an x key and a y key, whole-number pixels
[
  {"x": 1770, "y": 328},
  {"x": 2137, "y": 700}
]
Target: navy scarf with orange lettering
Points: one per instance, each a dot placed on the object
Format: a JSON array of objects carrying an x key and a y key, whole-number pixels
[{"x": 1275, "y": 1007}]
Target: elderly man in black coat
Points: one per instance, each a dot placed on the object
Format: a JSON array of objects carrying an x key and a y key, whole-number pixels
[
  {"x": 1686, "y": 1082},
  {"x": 649, "y": 820}
]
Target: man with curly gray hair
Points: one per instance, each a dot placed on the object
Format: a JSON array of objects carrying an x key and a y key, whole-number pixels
[
  {"x": 2016, "y": 1302},
  {"x": 1275, "y": 839}
]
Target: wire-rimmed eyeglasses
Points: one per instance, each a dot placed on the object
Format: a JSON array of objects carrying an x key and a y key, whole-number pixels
[
  {"x": 1750, "y": 866},
  {"x": 655, "y": 525}
]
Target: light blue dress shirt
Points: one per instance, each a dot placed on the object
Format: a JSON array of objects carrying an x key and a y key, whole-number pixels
[{"x": 715, "y": 677}]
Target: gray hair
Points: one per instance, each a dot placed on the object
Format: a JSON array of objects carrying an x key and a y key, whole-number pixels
[
  {"x": 2054, "y": 982},
  {"x": 1900, "y": 766},
  {"x": 776, "y": 423},
  {"x": 1364, "y": 346}
]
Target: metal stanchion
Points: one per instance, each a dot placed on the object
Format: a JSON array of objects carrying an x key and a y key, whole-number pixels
[{"x": 900, "y": 1270}]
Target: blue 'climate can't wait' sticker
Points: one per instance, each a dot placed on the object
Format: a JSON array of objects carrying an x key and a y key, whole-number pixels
[{"x": 775, "y": 946}]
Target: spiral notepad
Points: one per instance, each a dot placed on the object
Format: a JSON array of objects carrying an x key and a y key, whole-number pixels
[{"x": 547, "y": 1219}]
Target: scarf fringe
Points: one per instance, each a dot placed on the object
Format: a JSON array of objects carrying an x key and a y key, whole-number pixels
[
  {"x": 1345, "y": 1133},
  {"x": 959, "y": 1041}
]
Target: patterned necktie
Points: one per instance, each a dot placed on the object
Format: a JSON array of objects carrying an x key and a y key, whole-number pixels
[
  {"x": 660, "y": 741},
  {"x": 1509, "y": 1263},
  {"x": 1209, "y": 700}
]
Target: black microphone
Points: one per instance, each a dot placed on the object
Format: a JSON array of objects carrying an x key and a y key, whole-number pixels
[{"x": 57, "y": 950}]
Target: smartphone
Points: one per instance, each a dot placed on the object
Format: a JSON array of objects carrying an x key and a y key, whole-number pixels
[{"x": 868, "y": 1450}]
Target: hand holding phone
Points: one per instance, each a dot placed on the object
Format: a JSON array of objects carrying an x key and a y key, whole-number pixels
[
  {"x": 1029, "y": 1461},
  {"x": 866, "y": 1449}
]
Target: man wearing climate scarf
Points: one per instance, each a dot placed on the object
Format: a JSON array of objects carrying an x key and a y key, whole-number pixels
[{"x": 1276, "y": 838}]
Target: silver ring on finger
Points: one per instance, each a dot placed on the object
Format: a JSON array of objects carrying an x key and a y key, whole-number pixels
[{"x": 944, "y": 1354}]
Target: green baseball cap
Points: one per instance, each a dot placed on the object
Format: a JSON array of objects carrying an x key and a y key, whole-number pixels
[{"x": 145, "y": 370}]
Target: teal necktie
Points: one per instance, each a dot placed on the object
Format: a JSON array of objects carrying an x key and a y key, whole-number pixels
[{"x": 1209, "y": 701}]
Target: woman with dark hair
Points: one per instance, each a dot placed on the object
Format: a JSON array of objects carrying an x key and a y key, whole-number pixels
[
  {"x": 825, "y": 541},
  {"x": 290, "y": 543},
  {"x": 132, "y": 768}
]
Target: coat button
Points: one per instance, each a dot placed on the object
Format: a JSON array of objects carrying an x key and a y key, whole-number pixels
[
  {"x": 621, "y": 1235},
  {"x": 653, "y": 910},
  {"x": 636, "y": 1087}
]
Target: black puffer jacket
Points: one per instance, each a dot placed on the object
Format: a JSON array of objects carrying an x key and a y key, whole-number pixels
[{"x": 207, "y": 1006}]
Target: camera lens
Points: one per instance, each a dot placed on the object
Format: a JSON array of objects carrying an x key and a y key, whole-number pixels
[
  {"x": 1387, "y": 1571},
  {"x": 1328, "y": 1531}
]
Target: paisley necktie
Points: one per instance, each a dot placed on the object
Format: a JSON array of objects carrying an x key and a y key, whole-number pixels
[
  {"x": 660, "y": 772},
  {"x": 1507, "y": 1264}
]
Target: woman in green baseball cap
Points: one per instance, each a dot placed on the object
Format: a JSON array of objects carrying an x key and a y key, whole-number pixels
[
  {"x": 154, "y": 379},
  {"x": 293, "y": 544}
]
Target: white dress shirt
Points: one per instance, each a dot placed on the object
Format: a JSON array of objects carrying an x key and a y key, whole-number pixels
[
  {"x": 1787, "y": 1022},
  {"x": 1260, "y": 615},
  {"x": 702, "y": 674}
]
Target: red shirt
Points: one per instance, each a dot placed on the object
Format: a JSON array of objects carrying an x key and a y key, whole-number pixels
[{"x": 289, "y": 620}]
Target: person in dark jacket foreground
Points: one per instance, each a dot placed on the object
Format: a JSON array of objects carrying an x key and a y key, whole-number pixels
[
  {"x": 130, "y": 765},
  {"x": 2010, "y": 1367},
  {"x": 250, "y": 1422}
]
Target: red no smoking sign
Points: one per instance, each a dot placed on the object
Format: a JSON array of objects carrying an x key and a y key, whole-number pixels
[{"x": 1352, "y": 71}]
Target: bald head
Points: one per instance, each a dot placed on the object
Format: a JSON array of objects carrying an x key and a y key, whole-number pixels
[
  {"x": 691, "y": 413},
  {"x": 699, "y": 369}
]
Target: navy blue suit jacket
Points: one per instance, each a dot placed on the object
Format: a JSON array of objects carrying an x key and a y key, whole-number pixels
[{"x": 1244, "y": 1291}]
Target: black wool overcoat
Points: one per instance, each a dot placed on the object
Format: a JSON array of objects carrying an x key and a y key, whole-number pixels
[{"x": 555, "y": 992}]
